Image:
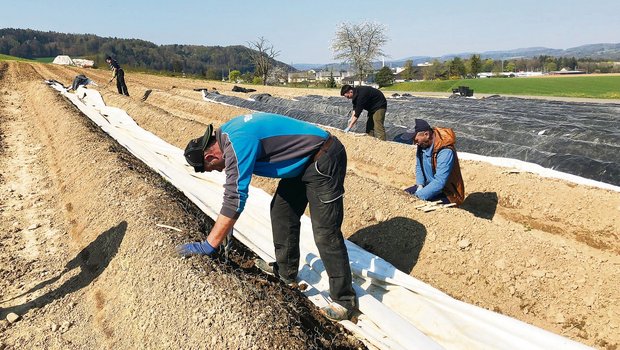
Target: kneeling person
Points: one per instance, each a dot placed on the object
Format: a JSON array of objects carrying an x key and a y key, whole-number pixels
[{"x": 437, "y": 171}]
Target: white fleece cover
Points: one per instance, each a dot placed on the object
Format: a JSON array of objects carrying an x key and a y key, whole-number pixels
[{"x": 398, "y": 311}]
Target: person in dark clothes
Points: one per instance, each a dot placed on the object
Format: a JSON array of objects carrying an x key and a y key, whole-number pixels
[
  {"x": 119, "y": 74},
  {"x": 372, "y": 100},
  {"x": 311, "y": 165}
]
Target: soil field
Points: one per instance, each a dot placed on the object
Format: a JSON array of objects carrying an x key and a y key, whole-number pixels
[{"x": 86, "y": 262}]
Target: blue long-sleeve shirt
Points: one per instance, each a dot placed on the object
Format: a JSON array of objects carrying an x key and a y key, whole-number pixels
[
  {"x": 264, "y": 144},
  {"x": 433, "y": 183}
]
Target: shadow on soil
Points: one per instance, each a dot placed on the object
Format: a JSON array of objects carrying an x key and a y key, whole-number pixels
[
  {"x": 398, "y": 241},
  {"x": 91, "y": 261},
  {"x": 481, "y": 204}
]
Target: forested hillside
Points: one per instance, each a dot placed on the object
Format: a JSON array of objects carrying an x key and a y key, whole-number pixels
[{"x": 210, "y": 61}]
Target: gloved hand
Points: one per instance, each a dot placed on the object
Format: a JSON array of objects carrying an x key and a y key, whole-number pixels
[
  {"x": 413, "y": 189},
  {"x": 346, "y": 129},
  {"x": 196, "y": 248}
]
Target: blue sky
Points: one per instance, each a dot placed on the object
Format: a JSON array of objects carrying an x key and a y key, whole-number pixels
[{"x": 302, "y": 30}]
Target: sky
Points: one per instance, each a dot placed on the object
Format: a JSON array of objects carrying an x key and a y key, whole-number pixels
[{"x": 302, "y": 31}]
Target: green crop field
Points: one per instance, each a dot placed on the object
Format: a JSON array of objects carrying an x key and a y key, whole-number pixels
[
  {"x": 599, "y": 86},
  {"x": 45, "y": 59},
  {"x": 12, "y": 58}
]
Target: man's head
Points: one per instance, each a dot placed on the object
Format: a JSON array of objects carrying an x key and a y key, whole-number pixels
[
  {"x": 421, "y": 134},
  {"x": 108, "y": 59},
  {"x": 347, "y": 91},
  {"x": 204, "y": 153}
]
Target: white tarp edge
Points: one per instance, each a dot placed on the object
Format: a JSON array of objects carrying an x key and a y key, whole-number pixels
[
  {"x": 399, "y": 311},
  {"x": 537, "y": 169}
]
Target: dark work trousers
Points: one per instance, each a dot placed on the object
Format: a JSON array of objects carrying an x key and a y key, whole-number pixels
[
  {"x": 120, "y": 82},
  {"x": 375, "y": 124},
  {"x": 322, "y": 186}
]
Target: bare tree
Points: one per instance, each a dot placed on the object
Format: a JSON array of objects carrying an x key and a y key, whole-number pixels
[
  {"x": 263, "y": 55},
  {"x": 359, "y": 45},
  {"x": 277, "y": 75}
]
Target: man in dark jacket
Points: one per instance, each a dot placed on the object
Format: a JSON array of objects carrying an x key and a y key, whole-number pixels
[
  {"x": 119, "y": 74},
  {"x": 372, "y": 100}
]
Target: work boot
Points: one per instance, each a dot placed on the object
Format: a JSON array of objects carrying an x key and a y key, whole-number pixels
[
  {"x": 265, "y": 266},
  {"x": 271, "y": 270},
  {"x": 336, "y": 312}
]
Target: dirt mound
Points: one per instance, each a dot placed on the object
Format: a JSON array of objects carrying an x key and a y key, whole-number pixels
[{"x": 85, "y": 263}]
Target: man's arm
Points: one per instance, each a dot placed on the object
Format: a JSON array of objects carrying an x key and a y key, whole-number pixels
[
  {"x": 223, "y": 225},
  {"x": 445, "y": 161},
  {"x": 360, "y": 101},
  {"x": 240, "y": 162},
  {"x": 358, "y": 107},
  {"x": 419, "y": 174},
  {"x": 113, "y": 74},
  {"x": 234, "y": 199},
  {"x": 352, "y": 121}
]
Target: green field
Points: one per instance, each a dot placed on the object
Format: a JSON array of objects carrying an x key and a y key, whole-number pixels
[
  {"x": 607, "y": 87},
  {"x": 12, "y": 58},
  {"x": 45, "y": 59}
]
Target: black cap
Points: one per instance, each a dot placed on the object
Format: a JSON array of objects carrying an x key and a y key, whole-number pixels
[
  {"x": 345, "y": 88},
  {"x": 420, "y": 125},
  {"x": 194, "y": 152}
]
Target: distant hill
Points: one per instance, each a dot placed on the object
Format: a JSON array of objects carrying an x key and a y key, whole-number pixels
[
  {"x": 307, "y": 66},
  {"x": 594, "y": 51},
  {"x": 210, "y": 61}
]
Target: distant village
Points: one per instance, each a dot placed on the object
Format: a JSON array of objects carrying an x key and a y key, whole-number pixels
[{"x": 312, "y": 77}]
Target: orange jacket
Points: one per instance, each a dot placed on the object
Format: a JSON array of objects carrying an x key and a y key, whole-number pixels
[{"x": 455, "y": 188}]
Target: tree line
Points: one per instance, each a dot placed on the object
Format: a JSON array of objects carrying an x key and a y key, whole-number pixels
[
  {"x": 212, "y": 62},
  {"x": 458, "y": 68}
]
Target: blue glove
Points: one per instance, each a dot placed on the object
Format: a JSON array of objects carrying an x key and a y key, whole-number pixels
[
  {"x": 196, "y": 248},
  {"x": 346, "y": 129}
]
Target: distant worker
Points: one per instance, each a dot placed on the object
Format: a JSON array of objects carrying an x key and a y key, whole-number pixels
[
  {"x": 312, "y": 167},
  {"x": 79, "y": 80},
  {"x": 373, "y": 101},
  {"x": 119, "y": 74},
  {"x": 437, "y": 171}
]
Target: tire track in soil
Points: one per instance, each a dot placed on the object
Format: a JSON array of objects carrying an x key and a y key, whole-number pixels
[
  {"x": 27, "y": 183},
  {"x": 32, "y": 235}
]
